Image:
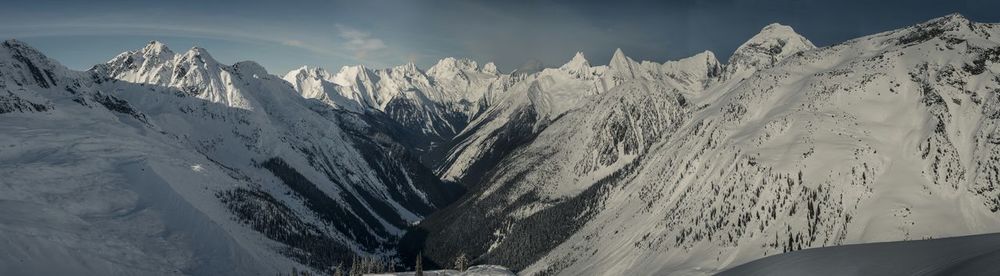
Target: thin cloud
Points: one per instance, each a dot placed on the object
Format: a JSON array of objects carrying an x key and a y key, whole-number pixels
[
  {"x": 86, "y": 28},
  {"x": 294, "y": 43},
  {"x": 360, "y": 42}
]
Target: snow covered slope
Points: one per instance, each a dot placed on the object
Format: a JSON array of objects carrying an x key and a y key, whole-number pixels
[
  {"x": 164, "y": 163},
  {"x": 886, "y": 137},
  {"x": 968, "y": 255},
  {"x": 533, "y": 103},
  {"x": 478, "y": 270},
  {"x": 171, "y": 163}
]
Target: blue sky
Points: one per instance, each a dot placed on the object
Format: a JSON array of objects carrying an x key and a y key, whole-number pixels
[{"x": 282, "y": 35}]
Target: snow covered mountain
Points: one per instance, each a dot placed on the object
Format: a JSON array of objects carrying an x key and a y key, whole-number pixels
[
  {"x": 690, "y": 167},
  {"x": 434, "y": 105},
  {"x": 774, "y": 43},
  {"x": 538, "y": 100},
  {"x": 160, "y": 162},
  {"x": 165, "y": 163}
]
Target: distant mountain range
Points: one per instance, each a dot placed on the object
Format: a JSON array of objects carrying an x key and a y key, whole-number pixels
[{"x": 160, "y": 162}]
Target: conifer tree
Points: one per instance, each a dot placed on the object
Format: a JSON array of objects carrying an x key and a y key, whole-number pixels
[
  {"x": 419, "y": 266},
  {"x": 461, "y": 262}
]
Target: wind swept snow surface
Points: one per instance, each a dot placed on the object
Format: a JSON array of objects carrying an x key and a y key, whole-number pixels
[
  {"x": 969, "y": 255},
  {"x": 478, "y": 270}
]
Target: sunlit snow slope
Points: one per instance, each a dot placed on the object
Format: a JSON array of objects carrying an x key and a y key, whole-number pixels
[{"x": 886, "y": 137}]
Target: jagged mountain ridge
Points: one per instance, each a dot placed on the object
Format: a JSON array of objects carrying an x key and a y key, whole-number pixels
[
  {"x": 186, "y": 166},
  {"x": 884, "y": 137},
  {"x": 332, "y": 182},
  {"x": 543, "y": 97},
  {"x": 455, "y": 101},
  {"x": 434, "y": 105},
  {"x": 785, "y": 147}
]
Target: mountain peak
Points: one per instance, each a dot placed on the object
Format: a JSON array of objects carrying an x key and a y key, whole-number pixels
[
  {"x": 490, "y": 68},
  {"x": 199, "y": 54},
  {"x": 953, "y": 21},
  {"x": 250, "y": 68},
  {"x": 198, "y": 50},
  {"x": 777, "y": 27},
  {"x": 706, "y": 57},
  {"x": 704, "y": 63},
  {"x": 954, "y": 17},
  {"x": 13, "y": 42},
  {"x": 351, "y": 75},
  {"x": 578, "y": 61},
  {"x": 450, "y": 64},
  {"x": 622, "y": 64},
  {"x": 35, "y": 61},
  {"x": 707, "y": 54},
  {"x": 156, "y": 46},
  {"x": 618, "y": 55},
  {"x": 409, "y": 69},
  {"x": 307, "y": 71},
  {"x": 773, "y": 43},
  {"x": 24, "y": 48},
  {"x": 778, "y": 32},
  {"x": 157, "y": 49}
]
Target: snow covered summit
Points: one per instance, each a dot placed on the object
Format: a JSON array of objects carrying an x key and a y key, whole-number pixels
[{"x": 775, "y": 42}]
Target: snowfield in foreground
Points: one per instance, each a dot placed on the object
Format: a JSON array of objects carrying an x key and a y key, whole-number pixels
[
  {"x": 968, "y": 255},
  {"x": 479, "y": 270}
]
